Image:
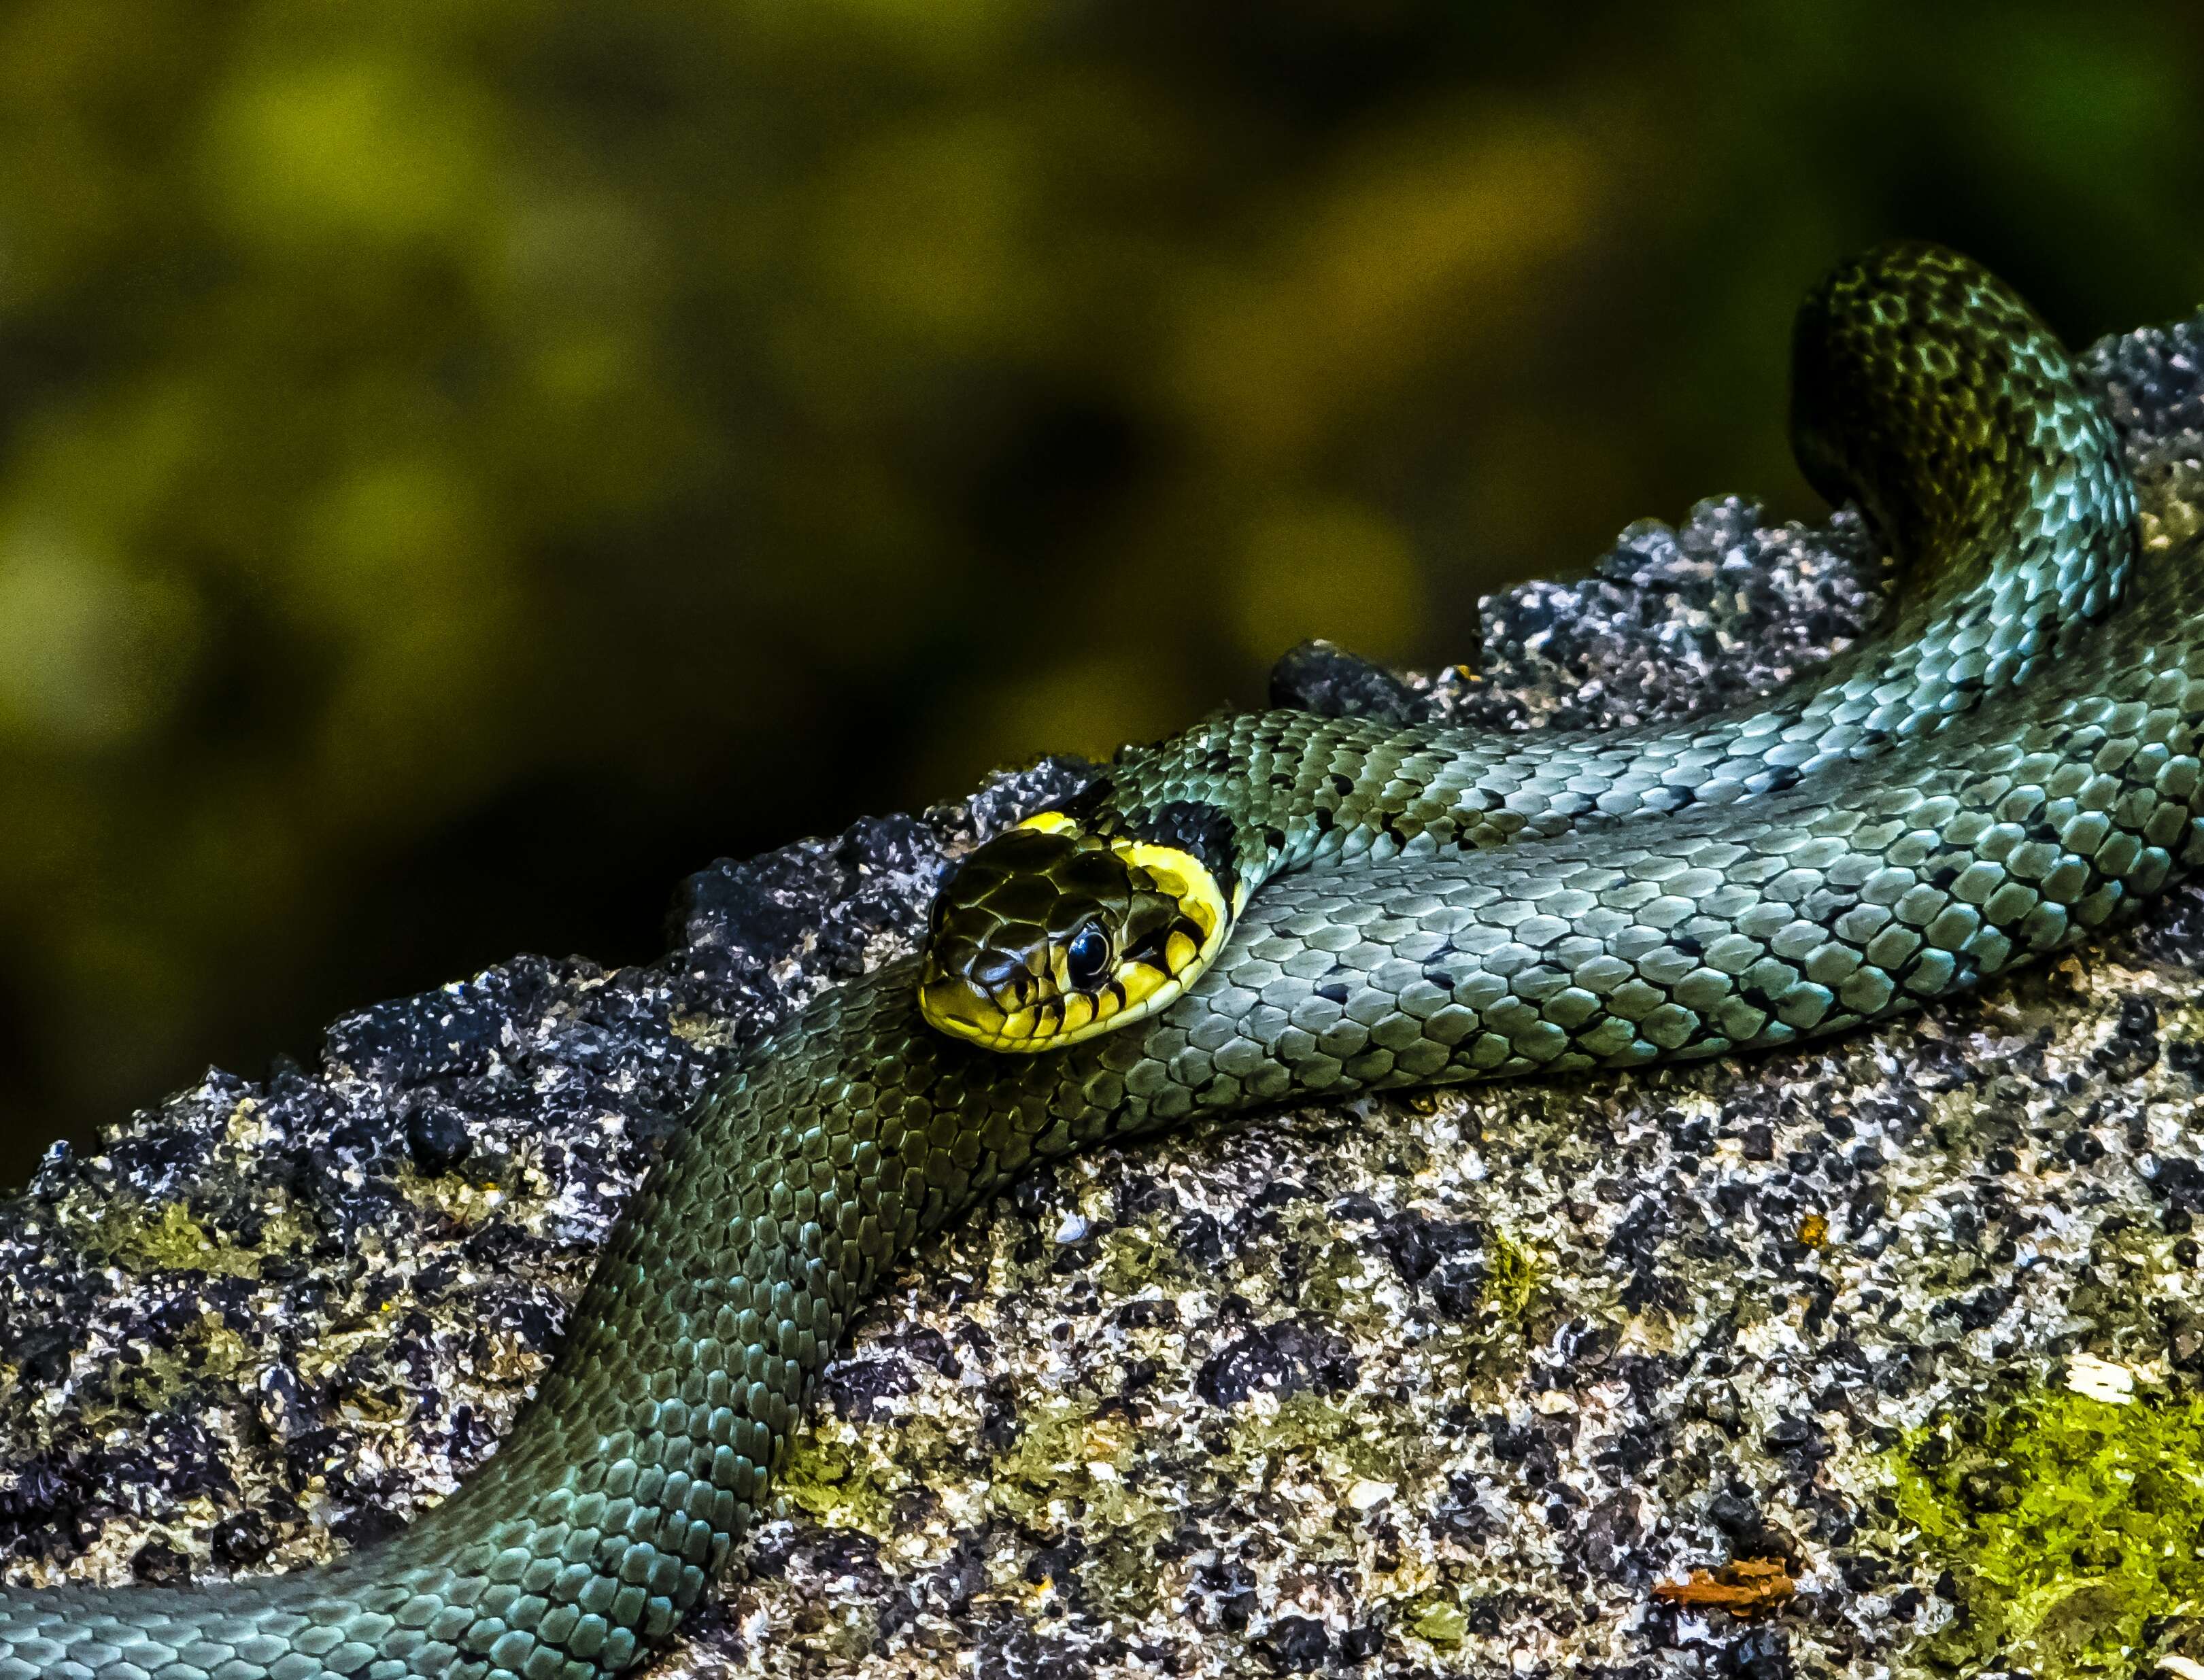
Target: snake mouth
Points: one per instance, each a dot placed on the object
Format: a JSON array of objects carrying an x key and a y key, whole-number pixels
[
  {"x": 1049, "y": 936},
  {"x": 960, "y": 1009}
]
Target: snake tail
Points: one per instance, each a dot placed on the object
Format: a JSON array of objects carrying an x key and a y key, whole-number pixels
[
  {"x": 2015, "y": 767},
  {"x": 1923, "y": 388}
]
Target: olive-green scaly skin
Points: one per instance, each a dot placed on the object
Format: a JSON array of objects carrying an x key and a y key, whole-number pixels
[{"x": 2011, "y": 829}]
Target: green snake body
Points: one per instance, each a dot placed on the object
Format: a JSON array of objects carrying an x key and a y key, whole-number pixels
[
  {"x": 1922, "y": 386},
  {"x": 2019, "y": 764}
]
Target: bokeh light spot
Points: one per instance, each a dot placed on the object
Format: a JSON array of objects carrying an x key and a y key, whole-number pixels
[
  {"x": 1326, "y": 568},
  {"x": 1088, "y": 707},
  {"x": 924, "y": 235},
  {"x": 1444, "y": 224},
  {"x": 89, "y": 652},
  {"x": 321, "y": 153},
  {"x": 405, "y": 574}
]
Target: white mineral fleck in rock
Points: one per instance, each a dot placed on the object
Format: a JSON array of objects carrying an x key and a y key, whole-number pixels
[
  {"x": 1367, "y": 1495},
  {"x": 2100, "y": 1379}
]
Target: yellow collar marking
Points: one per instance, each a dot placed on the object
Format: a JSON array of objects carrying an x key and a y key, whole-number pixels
[{"x": 1135, "y": 991}]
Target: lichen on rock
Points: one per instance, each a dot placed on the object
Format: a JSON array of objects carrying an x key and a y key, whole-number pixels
[
  {"x": 2074, "y": 1521},
  {"x": 1442, "y": 1384}
]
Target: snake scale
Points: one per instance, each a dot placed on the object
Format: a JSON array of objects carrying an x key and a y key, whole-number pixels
[{"x": 2013, "y": 764}]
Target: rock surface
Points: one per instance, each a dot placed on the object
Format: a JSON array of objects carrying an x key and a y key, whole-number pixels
[{"x": 1443, "y": 1385}]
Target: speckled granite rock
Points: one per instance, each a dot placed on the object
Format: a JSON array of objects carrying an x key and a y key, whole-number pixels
[{"x": 1436, "y": 1386}]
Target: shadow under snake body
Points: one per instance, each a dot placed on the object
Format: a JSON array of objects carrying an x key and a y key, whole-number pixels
[{"x": 2013, "y": 764}]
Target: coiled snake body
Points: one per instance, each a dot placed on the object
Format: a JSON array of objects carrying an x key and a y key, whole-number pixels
[{"x": 2013, "y": 765}]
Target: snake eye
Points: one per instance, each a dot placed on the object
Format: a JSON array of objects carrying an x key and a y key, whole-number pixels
[{"x": 1087, "y": 957}]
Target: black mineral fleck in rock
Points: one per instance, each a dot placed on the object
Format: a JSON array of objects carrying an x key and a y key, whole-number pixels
[
  {"x": 1321, "y": 677},
  {"x": 856, "y": 1389},
  {"x": 437, "y": 1136},
  {"x": 1763, "y": 1653},
  {"x": 41, "y": 1353},
  {"x": 159, "y": 1565},
  {"x": 1295, "y": 1645},
  {"x": 242, "y": 1541},
  {"x": 170, "y": 1304},
  {"x": 1283, "y": 1358},
  {"x": 2177, "y": 1180}
]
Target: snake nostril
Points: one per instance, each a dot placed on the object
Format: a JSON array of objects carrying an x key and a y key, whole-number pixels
[{"x": 826, "y": 1146}]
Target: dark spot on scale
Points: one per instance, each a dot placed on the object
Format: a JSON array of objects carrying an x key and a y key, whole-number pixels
[
  {"x": 1942, "y": 877},
  {"x": 1686, "y": 944},
  {"x": 1333, "y": 991},
  {"x": 1342, "y": 785},
  {"x": 1199, "y": 829},
  {"x": 1782, "y": 777},
  {"x": 1082, "y": 805},
  {"x": 1439, "y": 978}
]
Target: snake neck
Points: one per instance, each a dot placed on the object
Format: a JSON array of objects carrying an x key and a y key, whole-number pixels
[
  {"x": 2025, "y": 777},
  {"x": 1925, "y": 390}
]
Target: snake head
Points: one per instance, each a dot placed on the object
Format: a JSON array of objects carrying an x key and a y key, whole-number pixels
[{"x": 1049, "y": 934}]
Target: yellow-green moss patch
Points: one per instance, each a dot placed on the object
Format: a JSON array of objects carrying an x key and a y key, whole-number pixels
[
  {"x": 1438, "y": 1618},
  {"x": 1511, "y": 1277},
  {"x": 1337, "y": 1444},
  {"x": 139, "y": 1239},
  {"x": 836, "y": 1481},
  {"x": 2069, "y": 1523}
]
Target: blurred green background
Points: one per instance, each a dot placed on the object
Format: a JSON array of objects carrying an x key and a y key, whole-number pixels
[{"x": 464, "y": 465}]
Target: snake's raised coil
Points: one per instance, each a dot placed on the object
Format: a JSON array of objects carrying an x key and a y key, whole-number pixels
[{"x": 1279, "y": 906}]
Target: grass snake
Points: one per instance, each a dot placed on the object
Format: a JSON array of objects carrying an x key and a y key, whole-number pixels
[{"x": 1295, "y": 906}]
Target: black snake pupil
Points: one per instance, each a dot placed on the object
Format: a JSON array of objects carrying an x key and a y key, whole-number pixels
[
  {"x": 1087, "y": 957},
  {"x": 752, "y": 1220}
]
